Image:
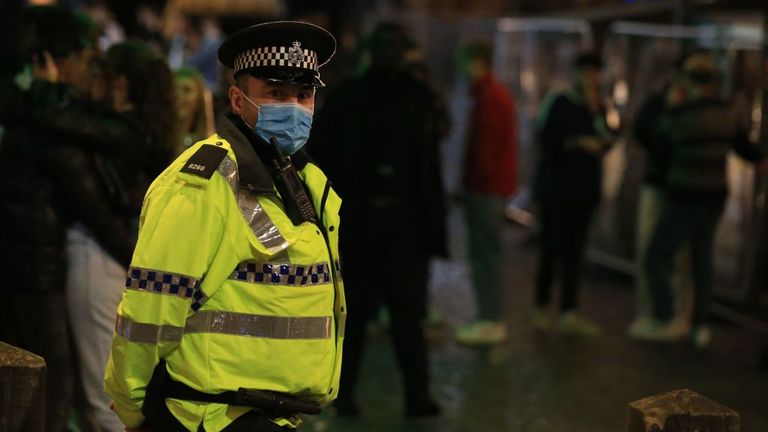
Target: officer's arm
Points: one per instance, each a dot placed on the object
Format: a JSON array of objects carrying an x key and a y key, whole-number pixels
[{"x": 180, "y": 232}]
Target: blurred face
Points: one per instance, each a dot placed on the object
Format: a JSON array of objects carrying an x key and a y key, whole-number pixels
[
  {"x": 588, "y": 80},
  {"x": 187, "y": 97},
  {"x": 118, "y": 88},
  {"x": 76, "y": 70},
  {"x": 699, "y": 83},
  {"x": 676, "y": 93},
  {"x": 98, "y": 88},
  {"x": 476, "y": 68},
  {"x": 265, "y": 92}
]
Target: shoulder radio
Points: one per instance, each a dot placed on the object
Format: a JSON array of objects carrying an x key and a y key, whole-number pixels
[{"x": 298, "y": 205}]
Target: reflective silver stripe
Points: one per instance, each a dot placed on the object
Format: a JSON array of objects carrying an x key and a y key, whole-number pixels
[
  {"x": 262, "y": 326},
  {"x": 228, "y": 169},
  {"x": 147, "y": 333},
  {"x": 261, "y": 225}
]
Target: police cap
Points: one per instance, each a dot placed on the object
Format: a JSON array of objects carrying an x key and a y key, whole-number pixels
[{"x": 282, "y": 51}]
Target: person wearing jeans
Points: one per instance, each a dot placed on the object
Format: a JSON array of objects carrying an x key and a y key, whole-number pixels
[
  {"x": 649, "y": 206},
  {"x": 701, "y": 132},
  {"x": 489, "y": 178},
  {"x": 683, "y": 221},
  {"x": 95, "y": 283}
]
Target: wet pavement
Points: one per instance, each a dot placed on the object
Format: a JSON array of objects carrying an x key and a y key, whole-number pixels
[{"x": 544, "y": 383}]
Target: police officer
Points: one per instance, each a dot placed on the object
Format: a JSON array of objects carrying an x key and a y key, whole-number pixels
[{"x": 234, "y": 296}]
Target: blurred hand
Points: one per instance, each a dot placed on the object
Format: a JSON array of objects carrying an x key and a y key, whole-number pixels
[
  {"x": 590, "y": 144},
  {"x": 675, "y": 95},
  {"x": 44, "y": 68}
]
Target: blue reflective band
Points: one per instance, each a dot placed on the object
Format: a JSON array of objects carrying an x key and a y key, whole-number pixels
[{"x": 282, "y": 274}]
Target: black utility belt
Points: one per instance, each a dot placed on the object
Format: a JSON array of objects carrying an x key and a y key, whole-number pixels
[{"x": 270, "y": 402}]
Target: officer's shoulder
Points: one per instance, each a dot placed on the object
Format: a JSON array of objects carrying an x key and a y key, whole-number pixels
[
  {"x": 200, "y": 161},
  {"x": 205, "y": 159}
]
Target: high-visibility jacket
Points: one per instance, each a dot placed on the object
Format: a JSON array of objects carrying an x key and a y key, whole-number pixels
[{"x": 226, "y": 289}]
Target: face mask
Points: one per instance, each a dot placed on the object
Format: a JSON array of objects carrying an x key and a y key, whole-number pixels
[{"x": 289, "y": 123}]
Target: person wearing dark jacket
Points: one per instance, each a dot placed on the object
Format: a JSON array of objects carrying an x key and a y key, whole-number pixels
[
  {"x": 572, "y": 138},
  {"x": 651, "y": 199},
  {"x": 700, "y": 133},
  {"x": 46, "y": 183},
  {"x": 377, "y": 137},
  {"x": 128, "y": 151}
]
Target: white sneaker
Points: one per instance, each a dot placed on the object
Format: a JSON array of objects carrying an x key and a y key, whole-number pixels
[
  {"x": 540, "y": 319},
  {"x": 640, "y": 322},
  {"x": 572, "y": 324},
  {"x": 658, "y": 331},
  {"x": 701, "y": 336},
  {"x": 482, "y": 332}
]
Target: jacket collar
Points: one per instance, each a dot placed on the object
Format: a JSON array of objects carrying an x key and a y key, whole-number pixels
[{"x": 253, "y": 154}]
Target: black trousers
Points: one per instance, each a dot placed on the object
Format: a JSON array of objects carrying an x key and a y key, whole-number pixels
[
  {"x": 564, "y": 228},
  {"x": 386, "y": 267},
  {"x": 248, "y": 422},
  {"x": 683, "y": 222}
]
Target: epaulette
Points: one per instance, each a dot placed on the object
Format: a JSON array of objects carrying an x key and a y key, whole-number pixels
[{"x": 204, "y": 162}]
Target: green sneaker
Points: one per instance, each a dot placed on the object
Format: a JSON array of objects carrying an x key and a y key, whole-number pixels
[
  {"x": 658, "y": 331},
  {"x": 572, "y": 324},
  {"x": 482, "y": 333},
  {"x": 540, "y": 320}
]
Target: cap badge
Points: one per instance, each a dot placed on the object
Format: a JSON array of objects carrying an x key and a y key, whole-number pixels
[{"x": 295, "y": 53}]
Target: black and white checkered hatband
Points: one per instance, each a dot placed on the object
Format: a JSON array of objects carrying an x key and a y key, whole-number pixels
[{"x": 294, "y": 56}]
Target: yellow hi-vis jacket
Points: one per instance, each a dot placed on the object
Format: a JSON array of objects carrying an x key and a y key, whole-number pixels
[{"x": 226, "y": 289}]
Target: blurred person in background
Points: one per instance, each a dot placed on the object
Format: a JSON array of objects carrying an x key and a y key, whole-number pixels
[
  {"x": 111, "y": 31},
  {"x": 378, "y": 138},
  {"x": 130, "y": 134},
  {"x": 646, "y": 131},
  {"x": 489, "y": 178},
  {"x": 700, "y": 132},
  {"x": 142, "y": 91},
  {"x": 47, "y": 182},
  {"x": 194, "y": 105},
  {"x": 149, "y": 23},
  {"x": 572, "y": 137},
  {"x": 414, "y": 65},
  {"x": 193, "y": 42}
]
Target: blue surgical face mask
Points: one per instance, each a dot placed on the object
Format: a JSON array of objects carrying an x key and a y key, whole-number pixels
[{"x": 289, "y": 123}]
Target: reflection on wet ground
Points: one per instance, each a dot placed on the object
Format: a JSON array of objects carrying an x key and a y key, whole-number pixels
[{"x": 542, "y": 383}]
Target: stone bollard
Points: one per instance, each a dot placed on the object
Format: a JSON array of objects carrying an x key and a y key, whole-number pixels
[
  {"x": 22, "y": 390},
  {"x": 680, "y": 411}
]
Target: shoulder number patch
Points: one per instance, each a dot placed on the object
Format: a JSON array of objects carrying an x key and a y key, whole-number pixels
[{"x": 205, "y": 161}]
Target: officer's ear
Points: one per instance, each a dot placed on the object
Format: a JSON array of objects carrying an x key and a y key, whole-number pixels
[{"x": 236, "y": 99}]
